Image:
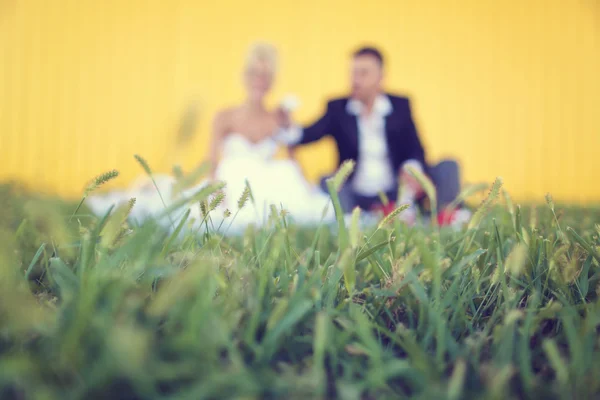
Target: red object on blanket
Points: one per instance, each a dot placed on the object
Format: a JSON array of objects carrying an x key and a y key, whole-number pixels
[
  {"x": 386, "y": 209},
  {"x": 444, "y": 217}
]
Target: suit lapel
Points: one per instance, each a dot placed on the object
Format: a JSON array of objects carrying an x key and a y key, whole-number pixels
[
  {"x": 350, "y": 128},
  {"x": 389, "y": 129},
  {"x": 390, "y": 124}
]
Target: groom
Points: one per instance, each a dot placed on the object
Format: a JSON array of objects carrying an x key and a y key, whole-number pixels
[{"x": 377, "y": 131}]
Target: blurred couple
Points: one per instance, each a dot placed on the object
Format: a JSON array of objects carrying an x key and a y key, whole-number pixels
[{"x": 372, "y": 127}]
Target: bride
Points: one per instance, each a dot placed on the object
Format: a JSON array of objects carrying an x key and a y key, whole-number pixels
[
  {"x": 243, "y": 150},
  {"x": 242, "y": 153}
]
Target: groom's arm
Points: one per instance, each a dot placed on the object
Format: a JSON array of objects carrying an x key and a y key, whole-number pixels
[
  {"x": 296, "y": 135},
  {"x": 413, "y": 151},
  {"x": 319, "y": 129}
]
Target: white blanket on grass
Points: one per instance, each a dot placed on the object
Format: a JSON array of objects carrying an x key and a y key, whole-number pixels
[{"x": 272, "y": 182}]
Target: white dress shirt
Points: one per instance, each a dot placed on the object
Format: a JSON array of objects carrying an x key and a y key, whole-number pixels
[{"x": 374, "y": 172}]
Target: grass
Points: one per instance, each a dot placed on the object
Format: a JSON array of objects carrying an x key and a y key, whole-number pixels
[{"x": 95, "y": 308}]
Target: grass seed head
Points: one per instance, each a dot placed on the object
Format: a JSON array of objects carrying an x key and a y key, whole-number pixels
[
  {"x": 391, "y": 216},
  {"x": 143, "y": 163},
  {"x": 204, "y": 208},
  {"x": 216, "y": 201},
  {"x": 342, "y": 174},
  {"x": 515, "y": 262},
  {"x": 131, "y": 203},
  {"x": 250, "y": 191},
  {"x": 101, "y": 180},
  {"x": 486, "y": 204},
  {"x": 244, "y": 198},
  {"x": 550, "y": 201}
]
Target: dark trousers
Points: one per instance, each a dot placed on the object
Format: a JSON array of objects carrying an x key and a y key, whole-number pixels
[{"x": 444, "y": 175}]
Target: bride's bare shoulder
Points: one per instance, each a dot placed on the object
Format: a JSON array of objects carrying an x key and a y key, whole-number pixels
[
  {"x": 225, "y": 114},
  {"x": 224, "y": 118}
]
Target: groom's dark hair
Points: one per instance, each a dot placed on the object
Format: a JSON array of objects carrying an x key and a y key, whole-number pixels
[{"x": 370, "y": 51}]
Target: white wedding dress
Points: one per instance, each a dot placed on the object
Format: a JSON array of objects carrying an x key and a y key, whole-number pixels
[{"x": 272, "y": 182}]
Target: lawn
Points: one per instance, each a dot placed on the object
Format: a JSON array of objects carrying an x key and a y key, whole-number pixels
[{"x": 92, "y": 307}]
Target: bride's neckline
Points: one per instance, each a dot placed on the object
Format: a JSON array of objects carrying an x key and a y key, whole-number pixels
[{"x": 248, "y": 140}]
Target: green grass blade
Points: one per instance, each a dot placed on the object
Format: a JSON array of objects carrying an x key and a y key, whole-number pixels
[
  {"x": 320, "y": 346},
  {"x": 429, "y": 189},
  {"x": 343, "y": 236},
  {"x": 35, "y": 259},
  {"x": 467, "y": 260},
  {"x": 371, "y": 250},
  {"x": 175, "y": 233},
  {"x": 556, "y": 361},
  {"x": 67, "y": 281},
  {"x": 347, "y": 265},
  {"x": 457, "y": 380},
  {"x": 296, "y": 312},
  {"x": 584, "y": 244},
  {"x": 584, "y": 282}
]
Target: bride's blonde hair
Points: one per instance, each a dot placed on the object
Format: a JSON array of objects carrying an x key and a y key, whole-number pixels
[{"x": 262, "y": 53}]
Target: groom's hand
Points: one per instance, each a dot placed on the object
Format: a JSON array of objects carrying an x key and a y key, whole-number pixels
[{"x": 409, "y": 180}]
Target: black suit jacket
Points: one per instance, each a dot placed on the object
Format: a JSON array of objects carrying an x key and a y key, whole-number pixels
[{"x": 401, "y": 133}]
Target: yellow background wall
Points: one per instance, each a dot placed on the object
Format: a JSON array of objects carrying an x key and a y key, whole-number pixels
[{"x": 511, "y": 87}]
